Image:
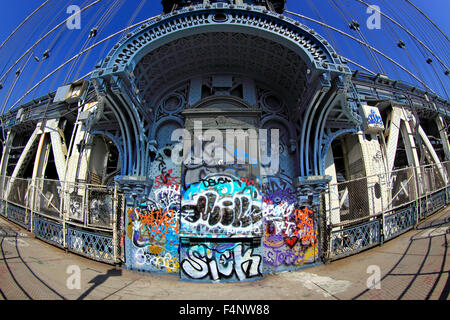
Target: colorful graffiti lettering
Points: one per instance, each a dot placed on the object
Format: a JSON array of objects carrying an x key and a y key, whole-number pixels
[
  {"x": 153, "y": 226},
  {"x": 165, "y": 179},
  {"x": 152, "y": 257},
  {"x": 290, "y": 238},
  {"x": 305, "y": 226},
  {"x": 220, "y": 261},
  {"x": 221, "y": 204},
  {"x": 277, "y": 253},
  {"x": 374, "y": 119}
]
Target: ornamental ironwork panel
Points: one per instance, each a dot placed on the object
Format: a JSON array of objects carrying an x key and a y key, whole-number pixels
[
  {"x": 100, "y": 207},
  {"x": 48, "y": 231},
  {"x": 354, "y": 239},
  {"x": 436, "y": 202},
  {"x": 17, "y": 215},
  {"x": 94, "y": 246},
  {"x": 398, "y": 222}
]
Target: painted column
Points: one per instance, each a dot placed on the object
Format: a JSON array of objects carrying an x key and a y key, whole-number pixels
[
  {"x": 332, "y": 198},
  {"x": 311, "y": 214}
]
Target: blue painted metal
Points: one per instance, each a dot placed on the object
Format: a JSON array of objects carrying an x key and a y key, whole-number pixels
[
  {"x": 92, "y": 245},
  {"x": 18, "y": 215},
  {"x": 422, "y": 208},
  {"x": 435, "y": 202},
  {"x": 448, "y": 195},
  {"x": 398, "y": 222},
  {"x": 313, "y": 48},
  {"x": 352, "y": 240},
  {"x": 3, "y": 208},
  {"x": 118, "y": 145},
  {"x": 48, "y": 231}
]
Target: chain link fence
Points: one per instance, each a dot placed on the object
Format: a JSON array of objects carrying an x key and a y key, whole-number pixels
[
  {"x": 56, "y": 211},
  {"x": 364, "y": 212},
  {"x": 48, "y": 197}
]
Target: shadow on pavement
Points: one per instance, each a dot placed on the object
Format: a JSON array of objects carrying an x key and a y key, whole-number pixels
[
  {"x": 99, "y": 280},
  {"x": 428, "y": 231}
]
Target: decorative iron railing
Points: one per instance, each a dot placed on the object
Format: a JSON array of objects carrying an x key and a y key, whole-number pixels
[
  {"x": 48, "y": 231},
  {"x": 393, "y": 204},
  {"x": 87, "y": 219},
  {"x": 355, "y": 239},
  {"x": 76, "y": 216},
  {"x": 92, "y": 245},
  {"x": 398, "y": 222}
]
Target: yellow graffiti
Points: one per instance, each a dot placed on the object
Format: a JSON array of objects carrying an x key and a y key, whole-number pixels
[{"x": 310, "y": 252}]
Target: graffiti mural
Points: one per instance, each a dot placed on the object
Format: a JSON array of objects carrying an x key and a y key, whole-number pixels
[
  {"x": 153, "y": 226},
  {"x": 221, "y": 261},
  {"x": 75, "y": 207},
  {"x": 222, "y": 204},
  {"x": 291, "y": 234}
]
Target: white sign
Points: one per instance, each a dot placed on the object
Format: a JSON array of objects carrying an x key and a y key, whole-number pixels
[{"x": 373, "y": 122}]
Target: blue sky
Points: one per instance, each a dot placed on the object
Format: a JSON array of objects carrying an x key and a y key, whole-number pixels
[{"x": 114, "y": 15}]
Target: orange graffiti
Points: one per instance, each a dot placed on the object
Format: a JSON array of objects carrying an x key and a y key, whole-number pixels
[
  {"x": 305, "y": 225},
  {"x": 159, "y": 220}
]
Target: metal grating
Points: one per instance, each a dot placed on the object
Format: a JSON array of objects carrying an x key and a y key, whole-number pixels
[
  {"x": 100, "y": 209},
  {"x": 398, "y": 223},
  {"x": 354, "y": 239},
  {"x": 94, "y": 246},
  {"x": 48, "y": 231}
]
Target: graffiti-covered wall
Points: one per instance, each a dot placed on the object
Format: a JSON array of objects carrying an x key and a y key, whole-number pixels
[{"x": 223, "y": 205}]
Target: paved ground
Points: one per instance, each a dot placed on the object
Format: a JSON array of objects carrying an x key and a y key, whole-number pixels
[{"x": 413, "y": 266}]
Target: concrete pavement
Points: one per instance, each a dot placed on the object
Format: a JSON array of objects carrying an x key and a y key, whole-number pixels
[{"x": 414, "y": 266}]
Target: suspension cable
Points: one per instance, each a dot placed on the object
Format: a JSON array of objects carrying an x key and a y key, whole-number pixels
[
  {"x": 358, "y": 65},
  {"x": 20, "y": 74},
  {"x": 45, "y": 36},
  {"x": 79, "y": 54},
  {"x": 23, "y": 22},
  {"x": 366, "y": 44},
  {"x": 420, "y": 49},
  {"x": 361, "y": 35},
  {"x": 432, "y": 22},
  {"x": 407, "y": 31},
  {"x": 106, "y": 23},
  {"x": 91, "y": 23}
]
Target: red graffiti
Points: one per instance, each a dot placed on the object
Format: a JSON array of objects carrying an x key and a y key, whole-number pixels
[
  {"x": 248, "y": 182},
  {"x": 167, "y": 180}
]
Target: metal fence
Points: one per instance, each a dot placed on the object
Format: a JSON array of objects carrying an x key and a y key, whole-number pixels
[
  {"x": 365, "y": 212},
  {"x": 80, "y": 217},
  {"x": 88, "y": 219}
]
